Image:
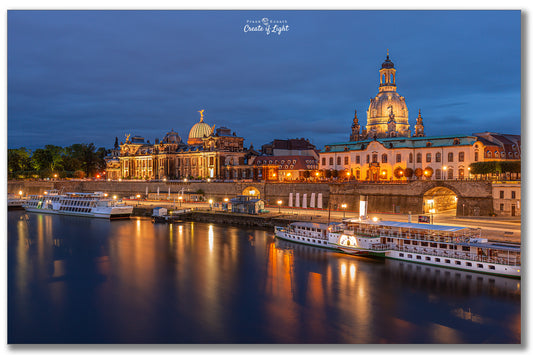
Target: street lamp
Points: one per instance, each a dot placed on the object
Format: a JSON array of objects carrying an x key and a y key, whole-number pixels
[
  {"x": 210, "y": 204},
  {"x": 226, "y": 199},
  {"x": 179, "y": 199},
  {"x": 279, "y": 206},
  {"x": 114, "y": 197},
  {"x": 20, "y": 193},
  {"x": 344, "y": 209}
]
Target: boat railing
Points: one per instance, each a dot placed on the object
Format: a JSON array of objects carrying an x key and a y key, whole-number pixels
[{"x": 503, "y": 260}]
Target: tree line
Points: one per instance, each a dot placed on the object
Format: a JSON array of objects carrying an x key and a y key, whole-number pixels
[{"x": 75, "y": 161}]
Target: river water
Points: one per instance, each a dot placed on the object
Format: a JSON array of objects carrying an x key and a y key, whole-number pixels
[{"x": 82, "y": 280}]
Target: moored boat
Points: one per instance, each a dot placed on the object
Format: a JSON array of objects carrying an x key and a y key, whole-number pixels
[
  {"x": 447, "y": 246},
  {"x": 315, "y": 234},
  {"x": 95, "y": 204}
]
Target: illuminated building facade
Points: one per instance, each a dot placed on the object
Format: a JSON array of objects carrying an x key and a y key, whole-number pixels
[
  {"x": 386, "y": 150},
  {"x": 209, "y": 153}
]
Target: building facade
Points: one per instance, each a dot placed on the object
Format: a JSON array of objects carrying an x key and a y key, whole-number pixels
[
  {"x": 208, "y": 154},
  {"x": 386, "y": 150}
]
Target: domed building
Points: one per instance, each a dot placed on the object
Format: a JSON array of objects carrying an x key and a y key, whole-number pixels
[
  {"x": 387, "y": 114},
  {"x": 200, "y": 131}
]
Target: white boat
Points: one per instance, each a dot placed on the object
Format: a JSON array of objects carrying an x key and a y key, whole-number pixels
[
  {"x": 315, "y": 234},
  {"x": 446, "y": 246},
  {"x": 95, "y": 204},
  {"x": 15, "y": 203}
]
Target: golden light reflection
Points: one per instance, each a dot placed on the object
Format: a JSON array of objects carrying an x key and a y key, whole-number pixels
[
  {"x": 343, "y": 269},
  {"x": 352, "y": 271},
  {"x": 211, "y": 238}
]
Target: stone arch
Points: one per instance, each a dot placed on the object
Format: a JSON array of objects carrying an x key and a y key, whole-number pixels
[
  {"x": 440, "y": 198},
  {"x": 251, "y": 191}
]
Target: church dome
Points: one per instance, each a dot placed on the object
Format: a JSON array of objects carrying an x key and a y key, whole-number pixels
[
  {"x": 387, "y": 64},
  {"x": 387, "y": 110},
  {"x": 199, "y": 131}
]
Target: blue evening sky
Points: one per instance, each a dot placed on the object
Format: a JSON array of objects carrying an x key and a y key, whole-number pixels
[{"x": 91, "y": 76}]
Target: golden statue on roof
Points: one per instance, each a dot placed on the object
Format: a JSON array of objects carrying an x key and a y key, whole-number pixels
[{"x": 201, "y": 115}]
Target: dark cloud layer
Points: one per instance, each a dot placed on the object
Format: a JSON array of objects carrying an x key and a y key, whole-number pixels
[{"x": 88, "y": 76}]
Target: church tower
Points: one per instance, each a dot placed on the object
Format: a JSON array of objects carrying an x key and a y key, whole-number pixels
[
  {"x": 356, "y": 128},
  {"x": 419, "y": 127},
  {"x": 388, "y": 109}
]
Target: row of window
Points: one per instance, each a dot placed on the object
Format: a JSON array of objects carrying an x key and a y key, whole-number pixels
[
  {"x": 311, "y": 241},
  {"x": 384, "y": 158},
  {"x": 447, "y": 261},
  {"x": 497, "y": 154},
  {"x": 502, "y": 194}
]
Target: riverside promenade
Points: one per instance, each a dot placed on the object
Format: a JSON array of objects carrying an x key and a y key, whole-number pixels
[{"x": 502, "y": 229}]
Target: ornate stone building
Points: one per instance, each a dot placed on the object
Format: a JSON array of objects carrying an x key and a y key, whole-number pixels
[
  {"x": 208, "y": 153},
  {"x": 385, "y": 150},
  {"x": 387, "y": 115}
]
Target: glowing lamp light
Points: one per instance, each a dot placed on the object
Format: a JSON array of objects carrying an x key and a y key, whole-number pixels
[
  {"x": 20, "y": 192},
  {"x": 114, "y": 197},
  {"x": 343, "y": 205},
  {"x": 185, "y": 180},
  {"x": 280, "y": 202},
  {"x": 98, "y": 176},
  {"x": 316, "y": 173},
  {"x": 138, "y": 196},
  {"x": 164, "y": 179},
  {"x": 444, "y": 168},
  {"x": 180, "y": 198},
  {"x": 468, "y": 168},
  {"x": 208, "y": 180},
  {"x": 226, "y": 199},
  {"x": 288, "y": 174},
  {"x": 375, "y": 219},
  {"x": 210, "y": 201},
  {"x": 348, "y": 173},
  {"x": 105, "y": 195},
  {"x": 46, "y": 192},
  {"x": 274, "y": 175},
  {"x": 55, "y": 175}
]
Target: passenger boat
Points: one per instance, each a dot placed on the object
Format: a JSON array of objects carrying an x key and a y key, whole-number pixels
[
  {"x": 15, "y": 203},
  {"x": 447, "y": 246},
  {"x": 315, "y": 234},
  {"x": 95, "y": 204}
]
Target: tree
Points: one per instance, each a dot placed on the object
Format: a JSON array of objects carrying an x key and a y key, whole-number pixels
[
  {"x": 409, "y": 173},
  {"x": 19, "y": 162},
  {"x": 307, "y": 174},
  {"x": 399, "y": 173}
]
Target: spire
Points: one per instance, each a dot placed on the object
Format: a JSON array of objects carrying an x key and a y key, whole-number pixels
[{"x": 419, "y": 127}]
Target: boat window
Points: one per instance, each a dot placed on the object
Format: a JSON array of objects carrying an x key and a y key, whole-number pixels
[
  {"x": 424, "y": 244},
  {"x": 480, "y": 266},
  {"x": 447, "y": 261},
  {"x": 491, "y": 267},
  {"x": 437, "y": 260},
  {"x": 418, "y": 257},
  {"x": 415, "y": 242},
  {"x": 433, "y": 245},
  {"x": 409, "y": 256},
  {"x": 401, "y": 254},
  {"x": 457, "y": 262},
  {"x": 428, "y": 258},
  {"x": 468, "y": 264},
  {"x": 407, "y": 242},
  {"x": 466, "y": 248},
  {"x": 443, "y": 246}
]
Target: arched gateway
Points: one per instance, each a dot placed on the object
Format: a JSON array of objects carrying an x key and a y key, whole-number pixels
[
  {"x": 251, "y": 191},
  {"x": 439, "y": 199}
]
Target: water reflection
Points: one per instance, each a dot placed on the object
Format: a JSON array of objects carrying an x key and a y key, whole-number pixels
[{"x": 85, "y": 280}]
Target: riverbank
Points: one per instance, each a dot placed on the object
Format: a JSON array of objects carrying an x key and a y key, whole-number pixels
[{"x": 281, "y": 218}]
